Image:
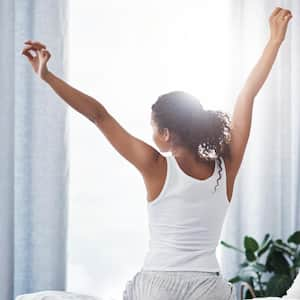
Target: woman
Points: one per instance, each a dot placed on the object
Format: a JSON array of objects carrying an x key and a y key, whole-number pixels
[{"x": 188, "y": 191}]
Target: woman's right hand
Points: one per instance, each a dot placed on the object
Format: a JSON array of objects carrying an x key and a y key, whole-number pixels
[
  {"x": 39, "y": 61},
  {"x": 278, "y": 22}
]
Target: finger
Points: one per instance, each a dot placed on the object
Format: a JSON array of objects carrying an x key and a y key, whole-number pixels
[
  {"x": 39, "y": 53},
  {"x": 36, "y": 44},
  {"x": 276, "y": 11},
  {"x": 46, "y": 54},
  {"x": 26, "y": 48},
  {"x": 287, "y": 13},
  {"x": 42, "y": 53},
  {"x": 283, "y": 13},
  {"x": 29, "y": 48},
  {"x": 287, "y": 17},
  {"x": 28, "y": 54}
]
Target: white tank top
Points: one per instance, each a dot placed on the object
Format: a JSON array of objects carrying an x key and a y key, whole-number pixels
[{"x": 185, "y": 221}]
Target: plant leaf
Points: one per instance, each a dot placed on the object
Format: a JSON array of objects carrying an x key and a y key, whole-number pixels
[
  {"x": 276, "y": 262},
  {"x": 278, "y": 285},
  {"x": 235, "y": 279},
  {"x": 283, "y": 247},
  {"x": 295, "y": 238},
  {"x": 297, "y": 262},
  {"x": 266, "y": 238},
  {"x": 266, "y": 243},
  {"x": 250, "y": 255},
  {"x": 250, "y": 244}
]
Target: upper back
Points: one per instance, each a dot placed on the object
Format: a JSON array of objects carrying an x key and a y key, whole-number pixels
[
  {"x": 175, "y": 173},
  {"x": 184, "y": 197},
  {"x": 185, "y": 220}
]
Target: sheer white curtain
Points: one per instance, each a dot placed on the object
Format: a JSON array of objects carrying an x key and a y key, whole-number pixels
[
  {"x": 266, "y": 195},
  {"x": 33, "y": 152}
]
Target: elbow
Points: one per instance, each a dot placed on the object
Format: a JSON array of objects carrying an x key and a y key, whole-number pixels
[{"x": 98, "y": 115}]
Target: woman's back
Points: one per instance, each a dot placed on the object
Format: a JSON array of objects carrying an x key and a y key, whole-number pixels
[{"x": 185, "y": 221}]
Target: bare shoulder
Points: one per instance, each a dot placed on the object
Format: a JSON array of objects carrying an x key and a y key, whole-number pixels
[
  {"x": 156, "y": 166},
  {"x": 155, "y": 176}
]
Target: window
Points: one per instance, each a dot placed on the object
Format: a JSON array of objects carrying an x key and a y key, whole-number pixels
[{"x": 125, "y": 54}]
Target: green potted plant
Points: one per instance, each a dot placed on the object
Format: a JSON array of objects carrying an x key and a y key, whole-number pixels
[{"x": 268, "y": 268}]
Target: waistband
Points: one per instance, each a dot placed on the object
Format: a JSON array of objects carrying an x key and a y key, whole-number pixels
[{"x": 181, "y": 272}]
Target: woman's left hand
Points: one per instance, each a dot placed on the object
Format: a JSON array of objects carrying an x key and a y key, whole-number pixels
[{"x": 39, "y": 61}]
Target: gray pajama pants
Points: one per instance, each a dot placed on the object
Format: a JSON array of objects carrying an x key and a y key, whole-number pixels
[{"x": 178, "y": 285}]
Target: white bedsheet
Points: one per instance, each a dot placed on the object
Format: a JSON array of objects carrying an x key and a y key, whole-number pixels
[
  {"x": 293, "y": 293},
  {"x": 275, "y": 298},
  {"x": 55, "y": 295}
]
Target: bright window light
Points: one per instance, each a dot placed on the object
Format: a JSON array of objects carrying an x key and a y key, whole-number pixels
[{"x": 125, "y": 54}]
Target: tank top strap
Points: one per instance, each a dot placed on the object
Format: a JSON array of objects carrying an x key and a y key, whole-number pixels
[{"x": 172, "y": 161}]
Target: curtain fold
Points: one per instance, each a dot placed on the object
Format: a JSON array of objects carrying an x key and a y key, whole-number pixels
[
  {"x": 266, "y": 195},
  {"x": 34, "y": 161}
]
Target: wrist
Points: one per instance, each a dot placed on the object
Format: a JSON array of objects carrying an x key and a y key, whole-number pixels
[
  {"x": 275, "y": 42},
  {"x": 47, "y": 76}
]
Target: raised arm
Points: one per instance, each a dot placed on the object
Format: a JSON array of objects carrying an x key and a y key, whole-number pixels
[
  {"x": 137, "y": 152},
  {"x": 242, "y": 114}
]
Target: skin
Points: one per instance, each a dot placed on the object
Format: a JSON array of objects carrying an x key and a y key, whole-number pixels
[{"x": 149, "y": 161}]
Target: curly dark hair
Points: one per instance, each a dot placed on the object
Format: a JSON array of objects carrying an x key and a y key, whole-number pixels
[{"x": 205, "y": 132}]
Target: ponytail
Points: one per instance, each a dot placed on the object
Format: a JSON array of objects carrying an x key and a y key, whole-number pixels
[{"x": 205, "y": 132}]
